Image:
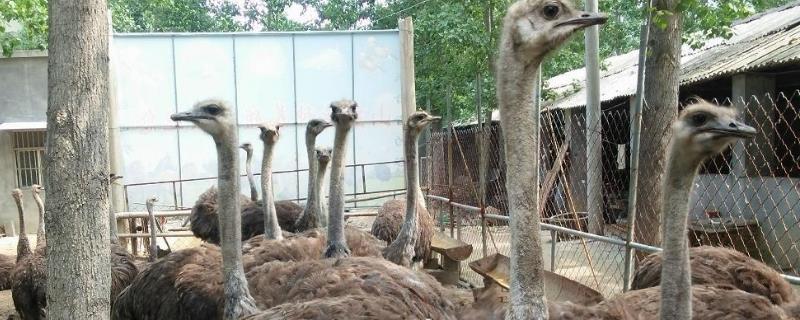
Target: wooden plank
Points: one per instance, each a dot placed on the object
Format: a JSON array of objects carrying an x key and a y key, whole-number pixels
[
  {"x": 451, "y": 248},
  {"x": 551, "y": 176}
]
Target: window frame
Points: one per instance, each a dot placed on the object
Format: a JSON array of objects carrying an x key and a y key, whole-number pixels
[{"x": 34, "y": 145}]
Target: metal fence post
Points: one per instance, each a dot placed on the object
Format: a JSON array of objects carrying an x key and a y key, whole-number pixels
[
  {"x": 635, "y": 136},
  {"x": 450, "y": 133}
]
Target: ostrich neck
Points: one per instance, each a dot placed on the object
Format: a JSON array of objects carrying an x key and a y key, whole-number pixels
[
  {"x": 310, "y": 215},
  {"x": 322, "y": 168},
  {"x": 336, "y": 195},
  {"x": 520, "y": 131},
  {"x": 23, "y": 246},
  {"x": 238, "y": 301},
  {"x": 250, "y": 178},
  {"x": 152, "y": 226},
  {"x": 40, "y": 232},
  {"x": 409, "y": 230},
  {"x": 676, "y": 278},
  {"x": 272, "y": 230}
]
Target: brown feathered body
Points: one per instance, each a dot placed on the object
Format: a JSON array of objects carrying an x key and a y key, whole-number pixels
[
  {"x": 287, "y": 211},
  {"x": 29, "y": 282},
  {"x": 389, "y": 221},
  {"x": 722, "y": 302},
  {"x": 342, "y": 286},
  {"x": 123, "y": 270},
  {"x": 7, "y": 263},
  {"x": 205, "y": 224},
  {"x": 309, "y": 245},
  {"x": 722, "y": 266},
  {"x": 187, "y": 284},
  {"x": 708, "y": 302}
]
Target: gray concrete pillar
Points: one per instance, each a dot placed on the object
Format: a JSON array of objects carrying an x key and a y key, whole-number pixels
[
  {"x": 752, "y": 96},
  {"x": 575, "y": 135}
]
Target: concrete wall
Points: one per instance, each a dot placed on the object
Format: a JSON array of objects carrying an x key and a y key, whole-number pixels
[
  {"x": 8, "y": 181},
  {"x": 23, "y": 79},
  {"x": 23, "y": 98},
  {"x": 773, "y": 202}
]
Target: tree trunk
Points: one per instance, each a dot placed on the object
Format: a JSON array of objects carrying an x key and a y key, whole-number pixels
[
  {"x": 76, "y": 164},
  {"x": 661, "y": 108}
]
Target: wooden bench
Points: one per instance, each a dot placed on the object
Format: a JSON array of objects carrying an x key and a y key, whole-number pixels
[{"x": 453, "y": 251}]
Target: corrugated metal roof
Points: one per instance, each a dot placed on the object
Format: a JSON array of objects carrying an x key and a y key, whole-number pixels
[{"x": 769, "y": 39}]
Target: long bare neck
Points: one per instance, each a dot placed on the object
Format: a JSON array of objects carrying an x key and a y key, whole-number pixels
[
  {"x": 310, "y": 216},
  {"x": 676, "y": 278},
  {"x": 41, "y": 237},
  {"x": 336, "y": 239},
  {"x": 515, "y": 84},
  {"x": 401, "y": 251},
  {"x": 250, "y": 178},
  {"x": 272, "y": 230},
  {"x": 322, "y": 217},
  {"x": 152, "y": 226},
  {"x": 238, "y": 301},
  {"x": 23, "y": 245}
]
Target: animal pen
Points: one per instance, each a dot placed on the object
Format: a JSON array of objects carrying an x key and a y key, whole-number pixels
[{"x": 754, "y": 214}]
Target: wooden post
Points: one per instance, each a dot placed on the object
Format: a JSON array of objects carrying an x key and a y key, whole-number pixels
[
  {"x": 408, "y": 92},
  {"x": 450, "y": 156}
]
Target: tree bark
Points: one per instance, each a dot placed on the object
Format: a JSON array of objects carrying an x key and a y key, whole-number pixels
[
  {"x": 76, "y": 164},
  {"x": 661, "y": 108}
]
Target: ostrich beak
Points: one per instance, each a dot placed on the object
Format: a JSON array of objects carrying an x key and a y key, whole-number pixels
[
  {"x": 732, "y": 129},
  {"x": 585, "y": 19},
  {"x": 188, "y": 116},
  {"x": 327, "y": 124}
]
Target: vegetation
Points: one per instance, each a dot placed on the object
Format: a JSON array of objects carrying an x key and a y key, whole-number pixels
[{"x": 454, "y": 39}]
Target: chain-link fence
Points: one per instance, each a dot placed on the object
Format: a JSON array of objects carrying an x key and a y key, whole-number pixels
[
  {"x": 747, "y": 198},
  {"x": 364, "y": 193}
]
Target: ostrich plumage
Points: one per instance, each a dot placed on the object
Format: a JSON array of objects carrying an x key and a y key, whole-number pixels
[
  {"x": 722, "y": 266},
  {"x": 333, "y": 284}
]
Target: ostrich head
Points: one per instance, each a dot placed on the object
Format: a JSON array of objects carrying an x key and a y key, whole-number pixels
[
  {"x": 37, "y": 189},
  {"x": 247, "y": 147},
  {"x": 214, "y": 117},
  {"x": 269, "y": 133},
  {"x": 539, "y": 26},
  {"x": 17, "y": 194},
  {"x": 343, "y": 112},
  {"x": 704, "y": 129},
  {"x": 419, "y": 120},
  {"x": 316, "y": 126},
  {"x": 323, "y": 155}
]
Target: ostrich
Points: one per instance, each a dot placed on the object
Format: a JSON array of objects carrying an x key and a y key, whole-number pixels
[
  {"x": 531, "y": 29},
  {"x": 203, "y": 218},
  {"x": 715, "y": 266},
  {"x": 269, "y": 135},
  {"x": 248, "y": 167},
  {"x": 41, "y": 237},
  {"x": 153, "y": 246},
  {"x": 188, "y": 284},
  {"x": 28, "y": 282},
  {"x": 413, "y": 242},
  {"x": 313, "y": 214},
  {"x": 344, "y": 287}
]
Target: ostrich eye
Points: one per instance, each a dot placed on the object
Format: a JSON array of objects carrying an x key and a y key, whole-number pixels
[
  {"x": 699, "y": 119},
  {"x": 213, "y": 110},
  {"x": 550, "y": 11}
]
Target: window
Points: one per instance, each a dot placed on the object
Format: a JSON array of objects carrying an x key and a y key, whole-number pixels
[{"x": 29, "y": 153}]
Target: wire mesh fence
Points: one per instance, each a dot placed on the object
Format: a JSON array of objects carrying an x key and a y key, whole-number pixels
[{"x": 747, "y": 198}]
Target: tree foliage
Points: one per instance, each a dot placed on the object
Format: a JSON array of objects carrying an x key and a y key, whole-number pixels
[{"x": 454, "y": 40}]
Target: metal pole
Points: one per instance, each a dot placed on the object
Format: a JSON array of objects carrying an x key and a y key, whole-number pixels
[
  {"x": 635, "y": 137},
  {"x": 553, "y": 235},
  {"x": 482, "y": 154},
  {"x": 448, "y": 102},
  {"x": 117, "y": 194},
  {"x": 594, "y": 169}
]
